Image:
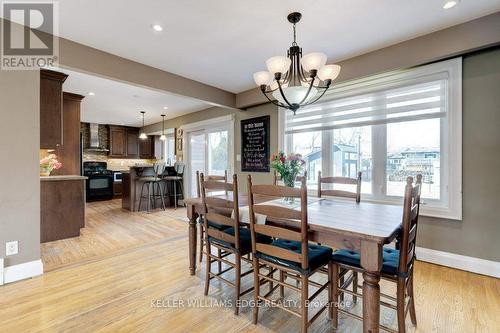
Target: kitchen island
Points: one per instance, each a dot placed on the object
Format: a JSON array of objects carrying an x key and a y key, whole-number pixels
[
  {"x": 62, "y": 207},
  {"x": 131, "y": 186}
]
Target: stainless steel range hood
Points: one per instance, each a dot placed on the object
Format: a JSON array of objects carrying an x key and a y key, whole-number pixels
[{"x": 95, "y": 145}]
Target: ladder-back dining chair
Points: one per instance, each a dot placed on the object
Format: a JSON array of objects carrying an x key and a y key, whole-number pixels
[
  {"x": 224, "y": 231},
  {"x": 290, "y": 253},
  {"x": 397, "y": 265}
]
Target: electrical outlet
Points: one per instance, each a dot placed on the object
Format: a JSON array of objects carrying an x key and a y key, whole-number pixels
[{"x": 11, "y": 248}]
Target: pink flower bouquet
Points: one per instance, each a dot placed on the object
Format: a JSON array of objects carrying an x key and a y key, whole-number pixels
[{"x": 49, "y": 164}]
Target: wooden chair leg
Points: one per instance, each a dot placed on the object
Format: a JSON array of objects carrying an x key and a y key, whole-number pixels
[
  {"x": 209, "y": 265},
  {"x": 413, "y": 314},
  {"x": 304, "y": 302},
  {"x": 256, "y": 291},
  {"x": 401, "y": 305},
  {"x": 219, "y": 263},
  {"x": 201, "y": 242},
  {"x": 237, "y": 283},
  {"x": 330, "y": 290},
  {"x": 341, "y": 281},
  {"x": 355, "y": 287},
  {"x": 282, "y": 288},
  {"x": 334, "y": 313}
]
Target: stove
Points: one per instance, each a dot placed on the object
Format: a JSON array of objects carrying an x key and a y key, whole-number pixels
[{"x": 99, "y": 182}]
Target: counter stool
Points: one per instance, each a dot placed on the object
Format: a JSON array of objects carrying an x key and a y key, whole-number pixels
[
  {"x": 154, "y": 186},
  {"x": 177, "y": 179}
]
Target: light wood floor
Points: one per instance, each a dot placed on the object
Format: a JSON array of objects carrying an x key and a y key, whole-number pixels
[
  {"x": 114, "y": 293},
  {"x": 110, "y": 229}
]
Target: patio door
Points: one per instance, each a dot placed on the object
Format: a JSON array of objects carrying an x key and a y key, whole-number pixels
[{"x": 209, "y": 150}]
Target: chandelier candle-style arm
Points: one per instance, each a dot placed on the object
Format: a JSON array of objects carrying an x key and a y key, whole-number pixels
[{"x": 295, "y": 81}]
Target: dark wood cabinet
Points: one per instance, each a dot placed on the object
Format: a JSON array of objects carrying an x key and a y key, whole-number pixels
[
  {"x": 51, "y": 109},
  {"x": 151, "y": 148},
  {"x": 117, "y": 141},
  {"x": 132, "y": 143},
  {"x": 69, "y": 152},
  {"x": 123, "y": 142}
]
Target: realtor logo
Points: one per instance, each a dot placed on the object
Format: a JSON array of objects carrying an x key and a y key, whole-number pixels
[{"x": 28, "y": 30}]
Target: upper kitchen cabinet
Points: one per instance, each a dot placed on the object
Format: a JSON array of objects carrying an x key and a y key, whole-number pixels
[
  {"x": 117, "y": 141},
  {"x": 51, "y": 109},
  {"x": 150, "y": 148},
  {"x": 123, "y": 142}
]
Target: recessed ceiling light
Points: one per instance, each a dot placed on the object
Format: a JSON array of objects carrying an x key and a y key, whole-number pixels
[
  {"x": 91, "y": 93},
  {"x": 450, "y": 4},
  {"x": 165, "y": 107},
  {"x": 157, "y": 27}
]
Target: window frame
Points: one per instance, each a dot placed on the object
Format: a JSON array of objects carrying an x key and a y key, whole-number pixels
[{"x": 450, "y": 204}]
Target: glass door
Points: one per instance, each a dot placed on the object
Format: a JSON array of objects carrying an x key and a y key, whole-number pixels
[
  {"x": 218, "y": 153},
  {"x": 197, "y": 158}
]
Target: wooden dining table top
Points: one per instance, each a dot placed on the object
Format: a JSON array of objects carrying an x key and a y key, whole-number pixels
[{"x": 365, "y": 220}]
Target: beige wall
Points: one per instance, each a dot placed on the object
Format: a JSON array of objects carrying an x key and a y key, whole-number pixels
[
  {"x": 19, "y": 164},
  {"x": 477, "y": 235}
]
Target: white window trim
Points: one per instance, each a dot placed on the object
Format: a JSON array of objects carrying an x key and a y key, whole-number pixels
[
  {"x": 451, "y": 152},
  {"x": 209, "y": 125}
]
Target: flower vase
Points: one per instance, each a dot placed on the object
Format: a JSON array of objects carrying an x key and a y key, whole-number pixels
[
  {"x": 44, "y": 171},
  {"x": 289, "y": 181}
]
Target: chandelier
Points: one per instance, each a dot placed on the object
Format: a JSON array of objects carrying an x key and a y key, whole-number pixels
[{"x": 295, "y": 80}]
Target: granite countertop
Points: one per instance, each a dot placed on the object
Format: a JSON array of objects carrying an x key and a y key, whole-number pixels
[{"x": 64, "y": 177}]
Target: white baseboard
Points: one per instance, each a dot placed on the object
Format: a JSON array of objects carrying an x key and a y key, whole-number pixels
[
  {"x": 470, "y": 264},
  {"x": 23, "y": 271}
]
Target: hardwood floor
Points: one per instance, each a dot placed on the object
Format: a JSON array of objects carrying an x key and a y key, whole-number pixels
[
  {"x": 109, "y": 230},
  {"x": 135, "y": 289}
]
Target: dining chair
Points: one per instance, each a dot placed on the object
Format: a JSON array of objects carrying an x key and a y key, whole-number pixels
[
  {"x": 356, "y": 194},
  {"x": 397, "y": 265},
  {"x": 290, "y": 253},
  {"x": 201, "y": 229},
  {"x": 277, "y": 177},
  {"x": 224, "y": 231}
]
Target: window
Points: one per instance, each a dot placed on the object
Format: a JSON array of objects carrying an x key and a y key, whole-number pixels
[
  {"x": 389, "y": 127},
  {"x": 170, "y": 150}
]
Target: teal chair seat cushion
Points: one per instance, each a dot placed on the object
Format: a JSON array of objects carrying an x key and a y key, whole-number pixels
[
  {"x": 218, "y": 226},
  {"x": 390, "y": 259},
  {"x": 245, "y": 239},
  {"x": 318, "y": 255}
]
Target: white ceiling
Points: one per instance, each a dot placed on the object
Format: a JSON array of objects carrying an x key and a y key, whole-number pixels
[
  {"x": 222, "y": 43},
  {"x": 118, "y": 103}
]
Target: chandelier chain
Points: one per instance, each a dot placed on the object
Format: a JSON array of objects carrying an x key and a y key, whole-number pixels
[{"x": 294, "y": 36}]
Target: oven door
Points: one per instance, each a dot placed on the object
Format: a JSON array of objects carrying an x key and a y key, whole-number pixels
[{"x": 99, "y": 187}]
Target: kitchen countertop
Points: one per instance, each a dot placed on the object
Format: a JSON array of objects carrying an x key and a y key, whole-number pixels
[{"x": 63, "y": 177}]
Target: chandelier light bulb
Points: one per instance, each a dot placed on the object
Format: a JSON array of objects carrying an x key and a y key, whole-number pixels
[
  {"x": 278, "y": 64},
  {"x": 329, "y": 72},
  {"x": 313, "y": 61},
  {"x": 263, "y": 78}
]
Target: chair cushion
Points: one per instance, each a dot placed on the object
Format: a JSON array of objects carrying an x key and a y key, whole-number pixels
[
  {"x": 218, "y": 226},
  {"x": 318, "y": 255},
  {"x": 390, "y": 259},
  {"x": 245, "y": 239}
]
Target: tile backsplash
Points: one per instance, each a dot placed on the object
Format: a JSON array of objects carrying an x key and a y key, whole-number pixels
[{"x": 115, "y": 164}]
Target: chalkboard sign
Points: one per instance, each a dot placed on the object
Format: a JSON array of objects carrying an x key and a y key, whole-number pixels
[{"x": 255, "y": 144}]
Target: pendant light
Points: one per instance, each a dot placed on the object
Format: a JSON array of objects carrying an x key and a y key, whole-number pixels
[
  {"x": 163, "y": 137},
  {"x": 143, "y": 135}
]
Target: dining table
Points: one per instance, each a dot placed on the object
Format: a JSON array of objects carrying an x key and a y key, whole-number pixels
[{"x": 364, "y": 227}]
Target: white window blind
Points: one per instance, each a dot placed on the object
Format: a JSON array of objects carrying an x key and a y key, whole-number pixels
[{"x": 372, "y": 102}]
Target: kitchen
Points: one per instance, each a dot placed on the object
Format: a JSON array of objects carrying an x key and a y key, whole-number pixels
[{"x": 93, "y": 150}]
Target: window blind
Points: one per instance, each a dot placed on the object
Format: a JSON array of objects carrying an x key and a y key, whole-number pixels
[{"x": 372, "y": 102}]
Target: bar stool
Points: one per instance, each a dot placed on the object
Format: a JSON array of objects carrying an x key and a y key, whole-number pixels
[
  {"x": 177, "y": 179},
  {"x": 153, "y": 183}
]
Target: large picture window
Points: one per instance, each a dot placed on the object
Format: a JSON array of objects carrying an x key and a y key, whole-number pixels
[{"x": 388, "y": 127}]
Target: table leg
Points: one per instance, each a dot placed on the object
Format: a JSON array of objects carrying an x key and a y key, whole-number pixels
[
  {"x": 192, "y": 216},
  {"x": 371, "y": 261}
]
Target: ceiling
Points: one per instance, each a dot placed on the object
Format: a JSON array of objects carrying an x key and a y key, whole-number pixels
[
  {"x": 222, "y": 43},
  {"x": 118, "y": 103}
]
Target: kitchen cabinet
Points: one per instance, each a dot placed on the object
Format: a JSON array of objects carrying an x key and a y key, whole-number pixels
[
  {"x": 151, "y": 148},
  {"x": 51, "y": 109},
  {"x": 123, "y": 142},
  {"x": 69, "y": 152},
  {"x": 132, "y": 143}
]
